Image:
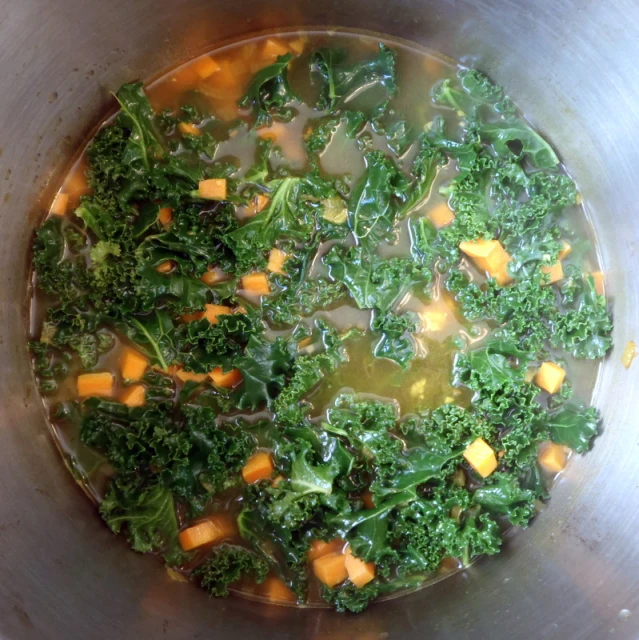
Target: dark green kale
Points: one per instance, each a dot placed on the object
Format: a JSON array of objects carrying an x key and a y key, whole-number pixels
[
  {"x": 226, "y": 565},
  {"x": 269, "y": 94},
  {"x": 369, "y": 83}
]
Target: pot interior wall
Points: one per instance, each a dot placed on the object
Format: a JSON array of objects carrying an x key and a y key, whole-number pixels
[{"x": 574, "y": 574}]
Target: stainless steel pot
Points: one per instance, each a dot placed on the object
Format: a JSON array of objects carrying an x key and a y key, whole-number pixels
[{"x": 571, "y": 65}]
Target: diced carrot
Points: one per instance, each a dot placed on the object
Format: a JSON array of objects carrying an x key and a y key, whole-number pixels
[
  {"x": 275, "y": 590},
  {"x": 76, "y": 184},
  {"x": 165, "y": 216},
  {"x": 501, "y": 275},
  {"x": 133, "y": 364},
  {"x": 212, "y": 311},
  {"x": 331, "y": 569},
  {"x": 481, "y": 457},
  {"x": 213, "y": 530},
  {"x": 165, "y": 267},
  {"x": 273, "y": 48},
  {"x": 555, "y": 271},
  {"x": 171, "y": 370},
  {"x": 205, "y": 67},
  {"x": 359, "y": 572},
  {"x": 260, "y": 202},
  {"x": 95, "y": 384},
  {"x": 188, "y": 128},
  {"x": 133, "y": 396},
  {"x": 213, "y": 276},
  {"x": 237, "y": 65},
  {"x": 441, "y": 215},
  {"x": 553, "y": 457},
  {"x": 256, "y": 283},
  {"x": 258, "y": 467},
  {"x": 229, "y": 82},
  {"x": 490, "y": 256},
  {"x": 182, "y": 80},
  {"x": 225, "y": 380},
  {"x": 192, "y": 317},
  {"x": 565, "y": 250},
  {"x": 320, "y": 548},
  {"x": 368, "y": 500},
  {"x": 550, "y": 377},
  {"x": 598, "y": 277},
  {"x": 212, "y": 189},
  {"x": 276, "y": 260},
  {"x": 59, "y": 204},
  {"x": 304, "y": 343},
  {"x": 478, "y": 248},
  {"x": 186, "y": 376}
]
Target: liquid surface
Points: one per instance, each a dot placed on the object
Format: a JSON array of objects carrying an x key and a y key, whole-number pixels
[{"x": 441, "y": 333}]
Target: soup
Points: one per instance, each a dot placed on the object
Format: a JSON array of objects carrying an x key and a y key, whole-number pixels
[{"x": 316, "y": 318}]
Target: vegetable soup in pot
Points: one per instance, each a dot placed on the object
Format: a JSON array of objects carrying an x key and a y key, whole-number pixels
[{"x": 316, "y": 318}]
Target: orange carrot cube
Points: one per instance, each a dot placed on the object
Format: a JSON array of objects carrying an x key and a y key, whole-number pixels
[
  {"x": 212, "y": 311},
  {"x": 95, "y": 384},
  {"x": 205, "y": 67},
  {"x": 256, "y": 283},
  {"x": 225, "y": 380},
  {"x": 186, "y": 376},
  {"x": 320, "y": 548},
  {"x": 441, "y": 215},
  {"x": 165, "y": 216},
  {"x": 133, "y": 364},
  {"x": 213, "y": 530},
  {"x": 133, "y": 396},
  {"x": 276, "y": 591},
  {"x": 331, "y": 569},
  {"x": 59, "y": 204},
  {"x": 359, "y": 572},
  {"x": 212, "y": 189},
  {"x": 258, "y": 467},
  {"x": 189, "y": 128}
]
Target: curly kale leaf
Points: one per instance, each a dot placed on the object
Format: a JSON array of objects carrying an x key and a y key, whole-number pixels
[
  {"x": 368, "y": 84},
  {"x": 486, "y": 107},
  {"x": 424, "y": 171},
  {"x": 203, "y": 346},
  {"x": 373, "y": 282},
  {"x": 572, "y": 426},
  {"x": 146, "y": 514},
  {"x": 502, "y": 494},
  {"x": 187, "y": 452},
  {"x": 372, "y": 209},
  {"x": 292, "y": 211},
  {"x": 307, "y": 372},
  {"x": 226, "y": 565},
  {"x": 395, "y": 343},
  {"x": 269, "y": 93},
  {"x": 584, "y": 329},
  {"x": 153, "y": 334},
  {"x": 471, "y": 93},
  {"x": 264, "y": 366}
]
